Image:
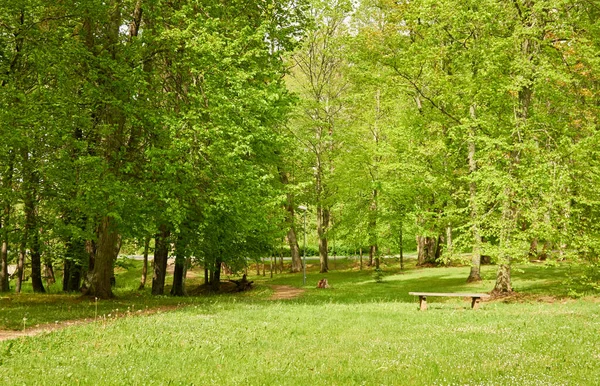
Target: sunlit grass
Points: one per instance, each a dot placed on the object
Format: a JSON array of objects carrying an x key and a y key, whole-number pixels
[{"x": 357, "y": 332}]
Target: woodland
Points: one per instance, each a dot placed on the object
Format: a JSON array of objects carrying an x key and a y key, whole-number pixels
[{"x": 197, "y": 129}]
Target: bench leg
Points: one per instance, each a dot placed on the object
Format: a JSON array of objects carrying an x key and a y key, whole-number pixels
[
  {"x": 423, "y": 303},
  {"x": 475, "y": 303}
]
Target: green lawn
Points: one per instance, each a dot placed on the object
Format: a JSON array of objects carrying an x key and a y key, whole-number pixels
[{"x": 358, "y": 332}]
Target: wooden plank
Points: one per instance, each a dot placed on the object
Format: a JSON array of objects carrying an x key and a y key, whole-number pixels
[{"x": 450, "y": 294}]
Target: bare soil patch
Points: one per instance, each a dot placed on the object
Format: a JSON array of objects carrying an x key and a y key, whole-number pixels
[{"x": 283, "y": 292}]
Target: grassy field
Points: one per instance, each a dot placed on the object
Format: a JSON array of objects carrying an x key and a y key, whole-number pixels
[{"x": 358, "y": 332}]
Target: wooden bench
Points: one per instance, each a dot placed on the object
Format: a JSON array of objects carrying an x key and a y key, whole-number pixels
[{"x": 475, "y": 298}]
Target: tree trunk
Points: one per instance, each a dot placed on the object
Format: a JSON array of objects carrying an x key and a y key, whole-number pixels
[
  {"x": 294, "y": 251},
  {"x": 178, "y": 288},
  {"x": 5, "y": 222},
  {"x": 161, "y": 255},
  {"x": 361, "y": 259},
  {"x": 206, "y": 278},
  {"x": 427, "y": 249},
  {"x": 475, "y": 273},
  {"x": 21, "y": 263},
  {"x": 36, "y": 264},
  {"x": 401, "y": 245},
  {"x": 73, "y": 270},
  {"x": 372, "y": 254},
  {"x": 188, "y": 264},
  {"x": 49, "y": 273},
  {"x": 145, "y": 264},
  {"x": 216, "y": 280},
  {"x": 291, "y": 235},
  {"x": 4, "y": 283},
  {"x": 31, "y": 235},
  {"x": 503, "y": 282},
  {"x": 106, "y": 255},
  {"x": 322, "y": 225},
  {"x": 449, "y": 245}
]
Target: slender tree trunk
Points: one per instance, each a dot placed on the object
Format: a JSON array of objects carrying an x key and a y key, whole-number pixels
[
  {"x": 291, "y": 235},
  {"x": 449, "y": 245},
  {"x": 5, "y": 220},
  {"x": 475, "y": 273},
  {"x": 361, "y": 259},
  {"x": 401, "y": 244},
  {"x": 21, "y": 262},
  {"x": 322, "y": 225},
  {"x": 31, "y": 233},
  {"x": 49, "y": 273},
  {"x": 281, "y": 261},
  {"x": 4, "y": 283},
  {"x": 145, "y": 264},
  {"x": 206, "y": 278},
  {"x": 161, "y": 255},
  {"x": 372, "y": 254},
  {"x": 188, "y": 264}
]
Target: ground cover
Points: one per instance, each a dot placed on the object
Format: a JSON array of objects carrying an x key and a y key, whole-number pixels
[{"x": 357, "y": 332}]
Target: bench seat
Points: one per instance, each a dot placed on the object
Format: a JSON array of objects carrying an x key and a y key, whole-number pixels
[{"x": 475, "y": 298}]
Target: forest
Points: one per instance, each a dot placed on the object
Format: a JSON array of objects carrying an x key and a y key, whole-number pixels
[{"x": 218, "y": 132}]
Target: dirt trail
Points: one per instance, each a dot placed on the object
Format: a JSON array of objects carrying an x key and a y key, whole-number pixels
[
  {"x": 285, "y": 292},
  {"x": 45, "y": 328},
  {"x": 10, "y": 334},
  {"x": 281, "y": 292}
]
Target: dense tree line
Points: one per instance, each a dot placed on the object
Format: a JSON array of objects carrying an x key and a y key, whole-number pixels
[
  {"x": 135, "y": 119},
  {"x": 474, "y": 124},
  {"x": 198, "y": 127}
]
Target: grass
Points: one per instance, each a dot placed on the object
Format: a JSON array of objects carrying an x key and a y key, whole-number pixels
[{"x": 358, "y": 332}]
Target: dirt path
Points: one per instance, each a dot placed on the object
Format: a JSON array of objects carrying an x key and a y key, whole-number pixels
[
  {"x": 45, "y": 328},
  {"x": 283, "y": 292}
]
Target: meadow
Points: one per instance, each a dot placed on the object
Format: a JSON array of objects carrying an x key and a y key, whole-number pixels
[{"x": 359, "y": 332}]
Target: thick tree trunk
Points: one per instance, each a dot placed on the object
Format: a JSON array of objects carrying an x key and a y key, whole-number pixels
[
  {"x": 178, "y": 288},
  {"x": 106, "y": 255},
  {"x": 427, "y": 250},
  {"x": 216, "y": 279},
  {"x": 503, "y": 282},
  {"x": 36, "y": 264},
  {"x": 294, "y": 251},
  {"x": 145, "y": 264},
  {"x": 73, "y": 270},
  {"x": 322, "y": 225},
  {"x": 161, "y": 255}
]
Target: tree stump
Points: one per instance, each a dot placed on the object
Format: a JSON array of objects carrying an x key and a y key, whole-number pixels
[{"x": 323, "y": 283}]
